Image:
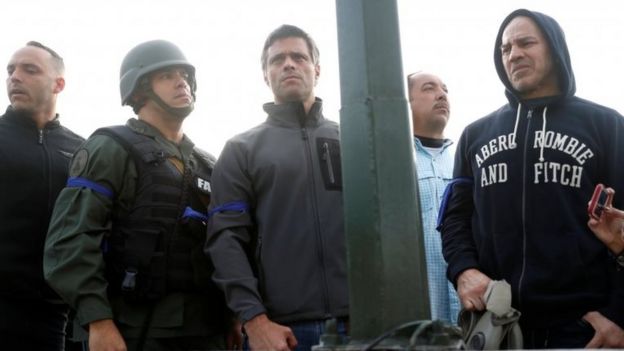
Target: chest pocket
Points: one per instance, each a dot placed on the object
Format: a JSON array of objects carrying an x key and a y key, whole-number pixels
[
  {"x": 432, "y": 180},
  {"x": 328, "y": 151}
]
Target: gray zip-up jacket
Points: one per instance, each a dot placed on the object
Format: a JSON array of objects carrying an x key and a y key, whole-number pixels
[{"x": 276, "y": 232}]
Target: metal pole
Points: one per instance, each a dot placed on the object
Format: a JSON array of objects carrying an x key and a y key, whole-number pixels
[{"x": 387, "y": 272}]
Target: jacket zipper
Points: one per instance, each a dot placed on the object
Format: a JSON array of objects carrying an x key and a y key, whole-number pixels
[
  {"x": 48, "y": 165},
  {"x": 317, "y": 224},
  {"x": 524, "y": 189},
  {"x": 261, "y": 284},
  {"x": 327, "y": 159}
]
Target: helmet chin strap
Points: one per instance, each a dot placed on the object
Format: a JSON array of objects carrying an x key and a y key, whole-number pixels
[{"x": 180, "y": 112}]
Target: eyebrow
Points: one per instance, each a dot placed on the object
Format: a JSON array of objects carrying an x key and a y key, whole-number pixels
[
  {"x": 23, "y": 64},
  {"x": 290, "y": 53},
  {"x": 519, "y": 39},
  {"x": 435, "y": 84}
]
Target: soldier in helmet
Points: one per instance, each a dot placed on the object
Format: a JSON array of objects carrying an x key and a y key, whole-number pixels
[{"x": 124, "y": 248}]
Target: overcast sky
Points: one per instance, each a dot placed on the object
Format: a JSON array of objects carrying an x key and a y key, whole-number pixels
[{"x": 223, "y": 39}]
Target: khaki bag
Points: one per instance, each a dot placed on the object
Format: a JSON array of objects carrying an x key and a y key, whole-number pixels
[{"x": 497, "y": 327}]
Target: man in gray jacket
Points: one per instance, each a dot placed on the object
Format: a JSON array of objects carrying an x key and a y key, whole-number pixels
[{"x": 276, "y": 233}]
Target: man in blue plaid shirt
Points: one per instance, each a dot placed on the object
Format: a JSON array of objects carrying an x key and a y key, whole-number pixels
[{"x": 430, "y": 112}]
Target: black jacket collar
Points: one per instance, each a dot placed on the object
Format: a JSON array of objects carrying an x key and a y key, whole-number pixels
[{"x": 23, "y": 119}]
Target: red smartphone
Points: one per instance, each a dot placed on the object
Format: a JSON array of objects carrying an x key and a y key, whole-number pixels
[{"x": 597, "y": 202}]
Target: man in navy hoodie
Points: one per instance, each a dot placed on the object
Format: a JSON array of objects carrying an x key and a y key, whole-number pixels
[{"x": 516, "y": 209}]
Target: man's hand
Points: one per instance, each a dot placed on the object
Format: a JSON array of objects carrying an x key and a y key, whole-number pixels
[
  {"x": 104, "y": 336},
  {"x": 608, "y": 334},
  {"x": 266, "y": 335},
  {"x": 471, "y": 286}
]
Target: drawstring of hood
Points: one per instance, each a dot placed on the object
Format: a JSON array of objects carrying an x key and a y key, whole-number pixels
[
  {"x": 513, "y": 144},
  {"x": 513, "y": 136},
  {"x": 543, "y": 134}
]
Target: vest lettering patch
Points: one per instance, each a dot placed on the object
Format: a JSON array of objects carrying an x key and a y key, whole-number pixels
[
  {"x": 546, "y": 171},
  {"x": 203, "y": 185}
]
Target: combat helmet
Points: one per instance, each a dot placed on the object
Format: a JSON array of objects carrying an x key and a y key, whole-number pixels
[{"x": 146, "y": 58}]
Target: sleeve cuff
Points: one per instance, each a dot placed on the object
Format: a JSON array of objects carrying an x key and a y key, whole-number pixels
[
  {"x": 251, "y": 313},
  {"x": 453, "y": 271},
  {"x": 90, "y": 309}
]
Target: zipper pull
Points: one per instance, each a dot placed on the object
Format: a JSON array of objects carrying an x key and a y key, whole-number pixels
[
  {"x": 530, "y": 114},
  {"x": 304, "y": 135},
  {"x": 40, "y": 140}
]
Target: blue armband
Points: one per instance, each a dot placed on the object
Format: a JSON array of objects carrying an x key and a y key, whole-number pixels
[
  {"x": 448, "y": 192},
  {"x": 78, "y": 182},
  {"x": 236, "y": 206},
  {"x": 191, "y": 213}
]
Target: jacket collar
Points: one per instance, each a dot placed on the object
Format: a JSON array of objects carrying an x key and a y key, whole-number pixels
[
  {"x": 142, "y": 127},
  {"x": 293, "y": 114},
  {"x": 418, "y": 143},
  {"x": 23, "y": 119}
]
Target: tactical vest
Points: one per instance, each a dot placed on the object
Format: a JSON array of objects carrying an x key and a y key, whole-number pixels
[{"x": 157, "y": 247}]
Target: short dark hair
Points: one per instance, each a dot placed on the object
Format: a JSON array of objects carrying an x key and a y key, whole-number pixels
[
  {"x": 56, "y": 58},
  {"x": 409, "y": 79},
  {"x": 289, "y": 31}
]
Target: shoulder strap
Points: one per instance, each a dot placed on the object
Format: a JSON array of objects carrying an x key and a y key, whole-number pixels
[
  {"x": 141, "y": 147},
  {"x": 204, "y": 156}
]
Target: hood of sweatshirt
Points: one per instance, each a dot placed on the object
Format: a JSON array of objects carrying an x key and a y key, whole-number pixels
[{"x": 558, "y": 48}]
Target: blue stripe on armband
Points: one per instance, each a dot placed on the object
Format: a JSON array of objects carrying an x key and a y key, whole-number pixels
[
  {"x": 236, "y": 206},
  {"x": 448, "y": 192},
  {"x": 191, "y": 213},
  {"x": 78, "y": 182}
]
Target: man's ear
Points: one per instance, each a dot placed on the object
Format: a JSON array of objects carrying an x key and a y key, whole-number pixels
[
  {"x": 138, "y": 97},
  {"x": 266, "y": 79},
  {"x": 59, "y": 85},
  {"x": 317, "y": 73}
]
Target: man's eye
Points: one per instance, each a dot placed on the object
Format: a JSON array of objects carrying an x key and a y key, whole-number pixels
[
  {"x": 527, "y": 43},
  {"x": 276, "y": 60}
]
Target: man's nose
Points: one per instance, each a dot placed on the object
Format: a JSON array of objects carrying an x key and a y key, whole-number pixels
[
  {"x": 515, "y": 53},
  {"x": 442, "y": 95},
  {"x": 15, "y": 76},
  {"x": 289, "y": 63},
  {"x": 182, "y": 81}
]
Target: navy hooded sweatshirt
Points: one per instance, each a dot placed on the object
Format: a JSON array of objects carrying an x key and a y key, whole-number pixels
[{"x": 518, "y": 211}]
